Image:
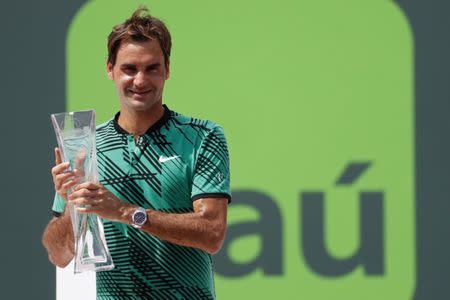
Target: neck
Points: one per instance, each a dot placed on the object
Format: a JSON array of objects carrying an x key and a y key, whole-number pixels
[{"x": 138, "y": 122}]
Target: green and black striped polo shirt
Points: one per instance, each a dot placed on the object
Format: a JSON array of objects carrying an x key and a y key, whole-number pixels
[{"x": 178, "y": 160}]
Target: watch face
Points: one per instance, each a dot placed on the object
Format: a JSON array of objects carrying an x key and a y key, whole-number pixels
[{"x": 139, "y": 217}]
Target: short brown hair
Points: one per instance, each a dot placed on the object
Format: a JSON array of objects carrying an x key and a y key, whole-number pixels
[{"x": 140, "y": 27}]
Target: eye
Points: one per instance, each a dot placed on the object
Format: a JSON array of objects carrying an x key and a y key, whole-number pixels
[
  {"x": 153, "y": 68},
  {"x": 129, "y": 69}
]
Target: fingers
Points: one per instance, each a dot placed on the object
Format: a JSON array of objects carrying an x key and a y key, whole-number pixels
[
  {"x": 79, "y": 162},
  {"x": 83, "y": 201},
  {"x": 68, "y": 184},
  {"x": 79, "y": 159},
  {"x": 79, "y": 173},
  {"x": 88, "y": 185},
  {"x": 94, "y": 198},
  {"x": 86, "y": 210},
  {"x": 62, "y": 178},
  {"x": 60, "y": 168},
  {"x": 58, "y": 159},
  {"x": 84, "y": 192}
]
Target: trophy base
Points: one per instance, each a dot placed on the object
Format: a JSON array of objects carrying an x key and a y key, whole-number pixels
[{"x": 91, "y": 253}]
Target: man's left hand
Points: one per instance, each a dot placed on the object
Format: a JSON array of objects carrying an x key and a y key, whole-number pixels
[{"x": 94, "y": 198}]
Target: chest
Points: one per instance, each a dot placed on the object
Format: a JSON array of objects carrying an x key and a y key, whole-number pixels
[{"x": 152, "y": 171}]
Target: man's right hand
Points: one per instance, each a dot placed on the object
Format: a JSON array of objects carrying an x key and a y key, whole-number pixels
[
  {"x": 63, "y": 178},
  {"x": 58, "y": 236}
]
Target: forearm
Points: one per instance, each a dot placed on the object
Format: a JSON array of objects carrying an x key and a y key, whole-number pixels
[
  {"x": 59, "y": 241},
  {"x": 203, "y": 229},
  {"x": 189, "y": 229}
]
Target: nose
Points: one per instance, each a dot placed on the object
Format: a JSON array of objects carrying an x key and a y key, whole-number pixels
[{"x": 139, "y": 80}]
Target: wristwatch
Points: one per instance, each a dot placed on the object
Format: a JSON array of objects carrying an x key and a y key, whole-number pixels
[{"x": 139, "y": 217}]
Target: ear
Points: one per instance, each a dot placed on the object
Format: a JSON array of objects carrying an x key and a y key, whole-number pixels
[
  {"x": 167, "y": 66},
  {"x": 109, "y": 70}
]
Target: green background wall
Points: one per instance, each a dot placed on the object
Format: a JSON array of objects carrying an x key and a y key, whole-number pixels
[{"x": 303, "y": 90}]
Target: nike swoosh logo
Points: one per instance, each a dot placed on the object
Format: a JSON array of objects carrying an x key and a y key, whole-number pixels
[{"x": 163, "y": 159}]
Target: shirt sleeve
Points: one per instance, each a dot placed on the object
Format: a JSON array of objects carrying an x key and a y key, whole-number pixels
[
  {"x": 211, "y": 177},
  {"x": 58, "y": 204}
]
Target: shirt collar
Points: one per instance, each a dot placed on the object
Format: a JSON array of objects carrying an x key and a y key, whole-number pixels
[{"x": 157, "y": 125}]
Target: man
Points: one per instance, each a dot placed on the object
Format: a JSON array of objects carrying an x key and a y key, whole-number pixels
[{"x": 170, "y": 170}]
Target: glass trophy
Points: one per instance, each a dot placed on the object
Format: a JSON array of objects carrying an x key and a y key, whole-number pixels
[{"x": 75, "y": 133}]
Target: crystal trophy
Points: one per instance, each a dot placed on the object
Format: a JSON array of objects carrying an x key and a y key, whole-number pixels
[{"x": 75, "y": 133}]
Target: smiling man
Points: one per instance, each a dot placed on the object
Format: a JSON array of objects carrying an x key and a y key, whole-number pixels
[{"x": 164, "y": 180}]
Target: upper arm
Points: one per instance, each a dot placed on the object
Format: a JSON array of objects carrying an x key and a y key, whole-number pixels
[
  {"x": 214, "y": 212},
  {"x": 211, "y": 176},
  {"x": 212, "y": 208}
]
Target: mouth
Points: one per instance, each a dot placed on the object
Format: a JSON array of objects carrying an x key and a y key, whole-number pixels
[{"x": 139, "y": 92}]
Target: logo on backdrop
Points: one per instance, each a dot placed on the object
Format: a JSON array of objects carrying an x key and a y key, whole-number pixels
[{"x": 369, "y": 254}]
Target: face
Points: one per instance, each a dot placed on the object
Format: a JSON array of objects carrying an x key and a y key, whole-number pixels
[{"x": 139, "y": 75}]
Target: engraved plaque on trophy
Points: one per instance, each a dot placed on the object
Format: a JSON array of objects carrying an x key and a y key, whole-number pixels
[{"x": 75, "y": 133}]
